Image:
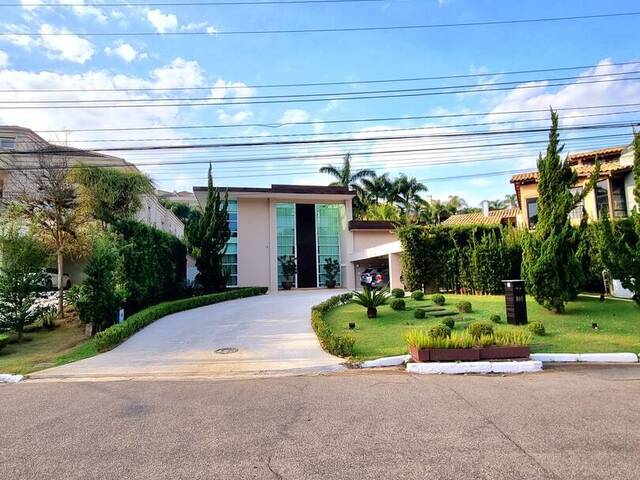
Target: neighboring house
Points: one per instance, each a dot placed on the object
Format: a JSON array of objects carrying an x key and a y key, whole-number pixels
[
  {"x": 505, "y": 216},
  {"x": 13, "y": 181},
  {"x": 613, "y": 192},
  {"x": 310, "y": 223},
  {"x": 184, "y": 197}
]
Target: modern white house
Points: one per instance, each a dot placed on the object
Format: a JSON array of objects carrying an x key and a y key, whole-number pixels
[{"x": 309, "y": 223}]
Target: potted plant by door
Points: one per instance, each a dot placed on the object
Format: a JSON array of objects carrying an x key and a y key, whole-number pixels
[
  {"x": 371, "y": 298},
  {"x": 331, "y": 271},
  {"x": 289, "y": 270}
]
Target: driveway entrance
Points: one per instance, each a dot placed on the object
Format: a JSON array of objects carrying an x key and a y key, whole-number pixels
[{"x": 265, "y": 335}]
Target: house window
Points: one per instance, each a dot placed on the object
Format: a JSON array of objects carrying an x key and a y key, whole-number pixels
[
  {"x": 230, "y": 258},
  {"x": 329, "y": 219},
  {"x": 532, "y": 212},
  {"x": 579, "y": 210},
  {"x": 602, "y": 197},
  {"x": 618, "y": 197},
  {"x": 7, "y": 143},
  {"x": 286, "y": 233}
]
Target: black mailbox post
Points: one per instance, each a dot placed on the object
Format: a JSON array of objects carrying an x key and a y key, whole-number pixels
[{"x": 516, "y": 301}]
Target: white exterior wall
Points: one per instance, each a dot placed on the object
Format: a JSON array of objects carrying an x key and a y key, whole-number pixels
[
  {"x": 253, "y": 242},
  {"x": 154, "y": 214}
]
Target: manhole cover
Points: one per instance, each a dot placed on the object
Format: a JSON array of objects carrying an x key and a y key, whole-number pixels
[{"x": 226, "y": 350}]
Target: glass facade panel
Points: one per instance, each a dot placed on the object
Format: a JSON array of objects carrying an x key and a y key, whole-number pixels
[
  {"x": 578, "y": 211},
  {"x": 286, "y": 232},
  {"x": 329, "y": 224},
  {"x": 532, "y": 212},
  {"x": 230, "y": 259},
  {"x": 618, "y": 198}
]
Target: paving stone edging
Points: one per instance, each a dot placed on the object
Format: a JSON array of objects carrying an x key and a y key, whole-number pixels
[
  {"x": 627, "y": 357},
  {"x": 434, "y": 368},
  {"x": 8, "y": 378}
]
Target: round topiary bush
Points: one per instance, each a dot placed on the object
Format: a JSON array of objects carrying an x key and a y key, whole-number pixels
[
  {"x": 417, "y": 295},
  {"x": 419, "y": 313},
  {"x": 438, "y": 299},
  {"x": 449, "y": 322},
  {"x": 477, "y": 329},
  {"x": 397, "y": 293},
  {"x": 537, "y": 328},
  {"x": 464, "y": 306},
  {"x": 346, "y": 297},
  {"x": 495, "y": 318},
  {"x": 439, "y": 331},
  {"x": 397, "y": 304}
]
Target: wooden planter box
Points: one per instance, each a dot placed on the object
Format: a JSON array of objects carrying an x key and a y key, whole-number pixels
[
  {"x": 454, "y": 354},
  {"x": 419, "y": 355},
  {"x": 497, "y": 353}
]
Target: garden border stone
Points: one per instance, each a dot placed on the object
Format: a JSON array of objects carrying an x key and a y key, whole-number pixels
[
  {"x": 453, "y": 368},
  {"x": 586, "y": 357},
  {"x": 9, "y": 378},
  {"x": 386, "y": 361}
]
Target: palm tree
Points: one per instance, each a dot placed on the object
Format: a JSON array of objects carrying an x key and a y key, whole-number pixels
[
  {"x": 511, "y": 201},
  {"x": 407, "y": 193},
  {"x": 378, "y": 188},
  {"x": 496, "y": 204},
  {"x": 382, "y": 211},
  {"x": 456, "y": 202},
  {"x": 345, "y": 176}
]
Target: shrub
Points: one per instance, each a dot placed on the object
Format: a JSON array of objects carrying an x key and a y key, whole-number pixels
[
  {"x": 439, "y": 331},
  {"x": 346, "y": 297},
  {"x": 537, "y": 328},
  {"x": 397, "y": 304},
  {"x": 397, "y": 293},
  {"x": 495, "y": 318},
  {"x": 464, "y": 306},
  {"x": 4, "y": 340},
  {"x": 371, "y": 298},
  {"x": 438, "y": 299},
  {"x": 419, "y": 313},
  {"x": 486, "y": 340},
  {"x": 417, "y": 339},
  {"x": 339, "y": 345},
  {"x": 117, "y": 333},
  {"x": 477, "y": 329},
  {"x": 516, "y": 338},
  {"x": 417, "y": 295},
  {"x": 460, "y": 340},
  {"x": 449, "y": 322}
]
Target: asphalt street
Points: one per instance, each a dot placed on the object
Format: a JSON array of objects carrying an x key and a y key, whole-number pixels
[{"x": 565, "y": 423}]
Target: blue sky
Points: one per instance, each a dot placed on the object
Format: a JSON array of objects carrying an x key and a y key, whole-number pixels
[{"x": 231, "y": 63}]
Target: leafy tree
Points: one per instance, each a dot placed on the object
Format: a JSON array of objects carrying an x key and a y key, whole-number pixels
[
  {"x": 550, "y": 266},
  {"x": 188, "y": 215},
  {"x": 210, "y": 239},
  {"x": 378, "y": 188},
  {"x": 510, "y": 201},
  {"x": 22, "y": 278},
  {"x": 49, "y": 200},
  {"x": 110, "y": 194},
  {"x": 100, "y": 294},
  {"x": 383, "y": 211},
  {"x": 346, "y": 177}
]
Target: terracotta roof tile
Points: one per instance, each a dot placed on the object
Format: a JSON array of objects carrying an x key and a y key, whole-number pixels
[
  {"x": 603, "y": 152},
  {"x": 605, "y": 168},
  {"x": 496, "y": 217}
]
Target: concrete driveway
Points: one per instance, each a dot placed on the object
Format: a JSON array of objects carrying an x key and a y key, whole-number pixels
[{"x": 272, "y": 335}]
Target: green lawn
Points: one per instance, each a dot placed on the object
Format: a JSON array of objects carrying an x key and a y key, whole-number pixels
[
  {"x": 44, "y": 348},
  {"x": 618, "y": 322}
]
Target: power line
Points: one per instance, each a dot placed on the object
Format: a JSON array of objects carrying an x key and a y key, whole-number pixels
[
  {"x": 480, "y": 89},
  {"x": 356, "y": 132},
  {"x": 334, "y": 30},
  {"x": 329, "y": 94},
  {"x": 62, "y": 152},
  {"x": 186, "y": 4},
  {"x": 319, "y": 84},
  {"x": 356, "y": 120}
]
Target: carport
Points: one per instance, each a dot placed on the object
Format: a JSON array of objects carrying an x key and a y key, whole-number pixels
[{"x": 386, "y": 255}]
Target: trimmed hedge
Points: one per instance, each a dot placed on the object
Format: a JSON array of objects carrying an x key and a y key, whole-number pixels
[
  {"x": 338, "y": 345},
  {"x": 417, "y": 295},
  {"x": 397, "y": 304},
  {"x": 397, "y": 293},
  {"x": 119, "y": 332},
  {"x": 4, "y": 340}
]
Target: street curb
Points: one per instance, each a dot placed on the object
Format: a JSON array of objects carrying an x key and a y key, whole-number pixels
[
  {"x": 453, "y": 368},
  {"x": 386, "y": 361},
  {"x": 8, "y": 378},
  {"x": 586, "y": 357}
]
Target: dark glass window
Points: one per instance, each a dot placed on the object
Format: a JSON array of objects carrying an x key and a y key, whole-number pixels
[
  {"x": 532, "y": 212},
  {"x": 618, "y": 197},
  {"x": 602, "y": 197}
]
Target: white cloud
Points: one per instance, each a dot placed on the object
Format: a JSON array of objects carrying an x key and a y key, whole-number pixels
[
  {"x": 77, "y": 6},
  {"x": 18, "y": 37},
  {"x": 67, "y": 47},
  {"x": 232, "y": 90},
  {"x": 180, "y": 73},
  {"x": 199, "y": 27},
  {"x": 125, "y": 51},
  {"x": 162, "y": 22},
  {"x": 238, "y": 117},
  {"x": 4, "y": 59},
  {"x": 294, "y": 115}
]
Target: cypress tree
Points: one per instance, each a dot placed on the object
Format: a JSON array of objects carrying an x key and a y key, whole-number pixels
[
  {"x": 550, "y": 266},
  {"x": 210, "y": 240}
]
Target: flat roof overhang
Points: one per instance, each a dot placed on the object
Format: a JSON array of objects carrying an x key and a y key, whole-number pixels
[
  {"x": 310, "y": 193},
  {"x": 377, "y": 251}
]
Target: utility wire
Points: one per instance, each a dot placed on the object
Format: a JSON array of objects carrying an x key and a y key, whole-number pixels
[
  {"x": 319, "y": 84},
  {"x": 484, "y": 23},
  {"x": 185, "y": 4},
  {"x": 233, "y": 102},
  {"x": 353, "y": 120}
]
